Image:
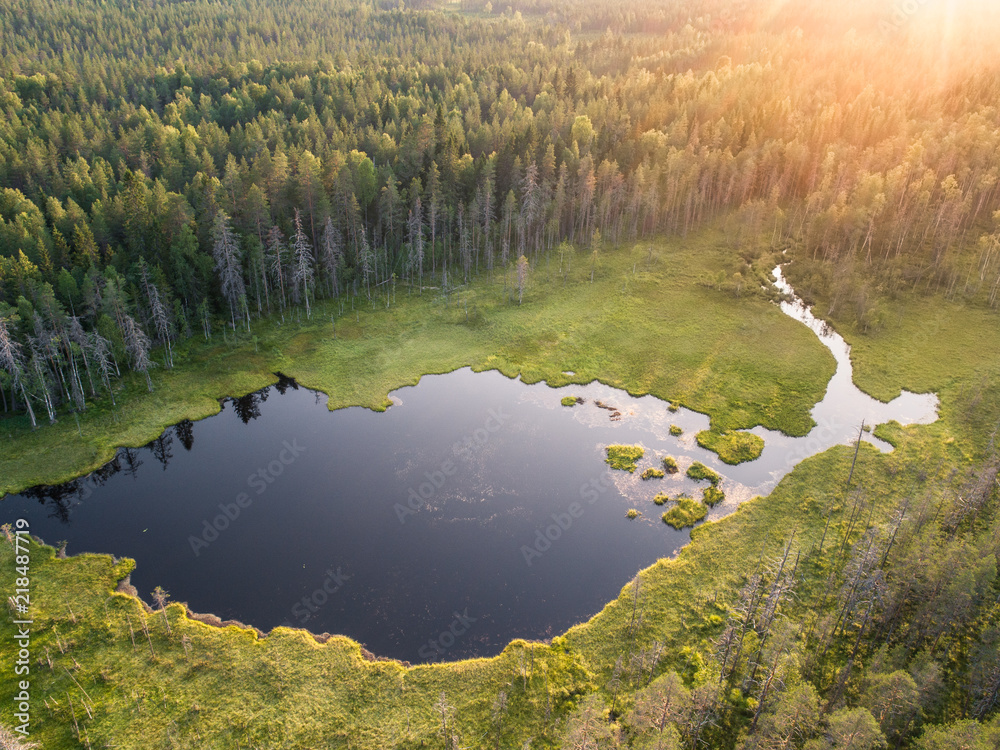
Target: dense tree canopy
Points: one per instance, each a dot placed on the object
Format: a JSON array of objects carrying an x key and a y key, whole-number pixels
[{"x": 411, "y": 140}]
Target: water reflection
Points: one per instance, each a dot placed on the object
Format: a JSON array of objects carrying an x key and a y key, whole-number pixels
[
  {"x": 247, "y": 408},
  {"x": 185, "y": 433}
]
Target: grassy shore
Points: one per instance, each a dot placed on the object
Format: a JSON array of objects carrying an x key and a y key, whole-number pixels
[
  {"x": 212, "y": 687},
  {"x": 645, "y": 324}
]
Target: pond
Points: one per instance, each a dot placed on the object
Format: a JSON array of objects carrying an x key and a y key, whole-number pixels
[{"x": 475, "y": 510}]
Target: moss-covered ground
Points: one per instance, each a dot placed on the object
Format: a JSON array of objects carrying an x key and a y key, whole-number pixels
[
  {"x": 685, "y": 512},
  {"x": 699, "y": 471},
  {"x": 733, "y": 447},
  {"x": 624, "y": 457}
]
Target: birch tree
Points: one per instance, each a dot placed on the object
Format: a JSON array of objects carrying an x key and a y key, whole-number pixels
[{"x": 366, "y": 262}]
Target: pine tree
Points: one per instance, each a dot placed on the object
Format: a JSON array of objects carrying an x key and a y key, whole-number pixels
[
  {"x": 228, "y": 264},
  {"x": 158, "y": 313},
  {"x": 416, "y": 232},
  {"x": 302, "y": 265},
  {"x": 522, "y": 277},
  {"x": 137, "y": 346},
  {"x": 13, "y": 363},
  {"x": 40, "y": 377},
  {"x": 101, "y": 350},
  {"x": 277, "y": 254},
  {"x": 332, "y": 255}
]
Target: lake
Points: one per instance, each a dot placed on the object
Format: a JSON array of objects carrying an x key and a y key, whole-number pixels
[{"x": 475, "y": 510}]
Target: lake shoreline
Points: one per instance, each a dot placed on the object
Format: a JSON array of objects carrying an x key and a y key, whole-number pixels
[{"x": 383, "y": 356}]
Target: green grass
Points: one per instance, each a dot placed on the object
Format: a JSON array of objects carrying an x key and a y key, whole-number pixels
[
  {"x": 632, "y": 514},
  {"x": 738, "y": 360},
  {"x": 624, "y": 457},
  {"x": 712, "y": 496},
  {"x": 653, "y": 473},
  {"x": 571, "y": 400},
  {"x": 733, "y": 447},
  {"x": 661, "y": 498},
  {"x": 699, "y": 471},
  {"x": 676, "y": 431},
  {"x": 670, "y": 465},
  {"x": 687, "y": 512}
]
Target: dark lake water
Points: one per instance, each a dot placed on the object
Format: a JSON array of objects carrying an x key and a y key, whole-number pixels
[
  {"x": 386, "y": 527},
  {"x": 477, "y": 509}
]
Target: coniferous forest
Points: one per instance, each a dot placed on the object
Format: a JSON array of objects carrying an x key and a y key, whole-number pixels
[
  {"x": 179, "y": 172},
  {"x": 169, "y": 171}
]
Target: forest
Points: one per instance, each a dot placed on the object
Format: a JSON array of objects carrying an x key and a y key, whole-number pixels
[
  {"x": 200, "y": 164},
  {"x": 179, "y": 171}
]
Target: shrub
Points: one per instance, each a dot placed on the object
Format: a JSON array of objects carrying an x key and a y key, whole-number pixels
[
  {"x": 670, "y": 465},
  {"x": 652, "y": 473},
  {"x": 633, "y": 514},
  {"x": 661, "y": 498},
  {"x": 675, "y": 430}
]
